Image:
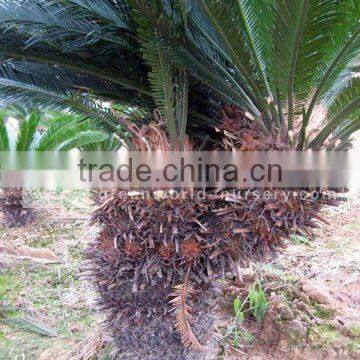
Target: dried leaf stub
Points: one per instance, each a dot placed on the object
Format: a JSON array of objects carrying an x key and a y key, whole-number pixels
[
  {"x": 190, "y": 250},
  {"x": 44, "y": 256},
  {"x": 182, "y": 314},
  {"x": 89, "y": 348}
]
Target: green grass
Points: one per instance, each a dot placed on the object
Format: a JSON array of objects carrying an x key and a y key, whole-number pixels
[
  {"x": 322, "y": 312},
  {"x": 324, "y": 336},
  {"x": 54, "y": 294},
  {"x": 42, "y": 293},
  {"x": 299, "y": 239},
  {"x": 10, "y": 285},
  {"x": 354, "y": 346},
  {"x": 355, "y": 330}
]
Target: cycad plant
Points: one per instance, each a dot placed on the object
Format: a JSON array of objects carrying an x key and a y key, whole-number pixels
[
  {"x": 65, "y": 132},
  {"x": 111, "y": 143},
  {"x": 258, "y": 71}
]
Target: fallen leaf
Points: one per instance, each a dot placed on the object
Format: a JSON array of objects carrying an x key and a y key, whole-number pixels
[{"x": 44, "y": 256}]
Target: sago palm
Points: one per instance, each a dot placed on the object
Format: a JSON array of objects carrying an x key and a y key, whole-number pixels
[
  {"x": 64, "y": 132},
  {"x": 258, "y": 71},
  {"x": 111, "y": 143}
]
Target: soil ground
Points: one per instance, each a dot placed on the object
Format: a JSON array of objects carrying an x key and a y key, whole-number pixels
[{"x": 312, "y": 289}]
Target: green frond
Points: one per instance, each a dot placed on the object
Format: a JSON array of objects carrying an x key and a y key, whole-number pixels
[
  {"x": 226, "y": 20},
  {"x": 217, "y": 82},
  {"x": 15, "y": 91},
  {"x": 111, "y": 143},
  {"x": 318, "y": 30},
  {"x": 82, "y": 139},
  {"x": 257, "y": 21},
  {"x": 346, "y": 131},
  {"x": 168, "y": 83},
  {"x": 182, "y": 107},
  {"x": 161, "y": 78},
  {"x": 227, "y": 82},
  {"x": 21, "y": 112},
  {"x": 61, "y": 127},
  {"x": 4, "y": 138},
  {"x": 341, "y": 82},
  {"x": 300, "y": 13},
  {"x": 346, "y": 105},
  {"x": 27, "y": 132},
  {"x": 98, "y": 10},
  {"x": 65, "y": 132},
  {"x": 70, "y": 27},
  {"x": 102, "y": 70},
  {"x": 344, "y": 46},
  {"x": 63, "y": 79},
  {"x": 276, "y": 59},
  {"x": 301, "y": 32}
]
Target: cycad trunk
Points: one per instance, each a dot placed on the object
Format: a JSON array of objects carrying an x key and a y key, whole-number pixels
[
  {"x": 143, "y": 250},
  {"x": 148, "y": 246},
  {"x": 145, "y": 247},
  {"x": 14, "y": 213}
]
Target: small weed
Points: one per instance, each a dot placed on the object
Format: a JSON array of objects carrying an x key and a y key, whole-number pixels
[
  {"x": 322, "y": 312},
  {"x": 299, "y": 239},
  {"x": 354, "y": 345},
  {"x": 256, "y": 304},
  {"x": 5, "y": 345},
  {"x": 355, "y": 330},
  {"x": 236, "y": 331},
  {"x": 324, "y": 336}
]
